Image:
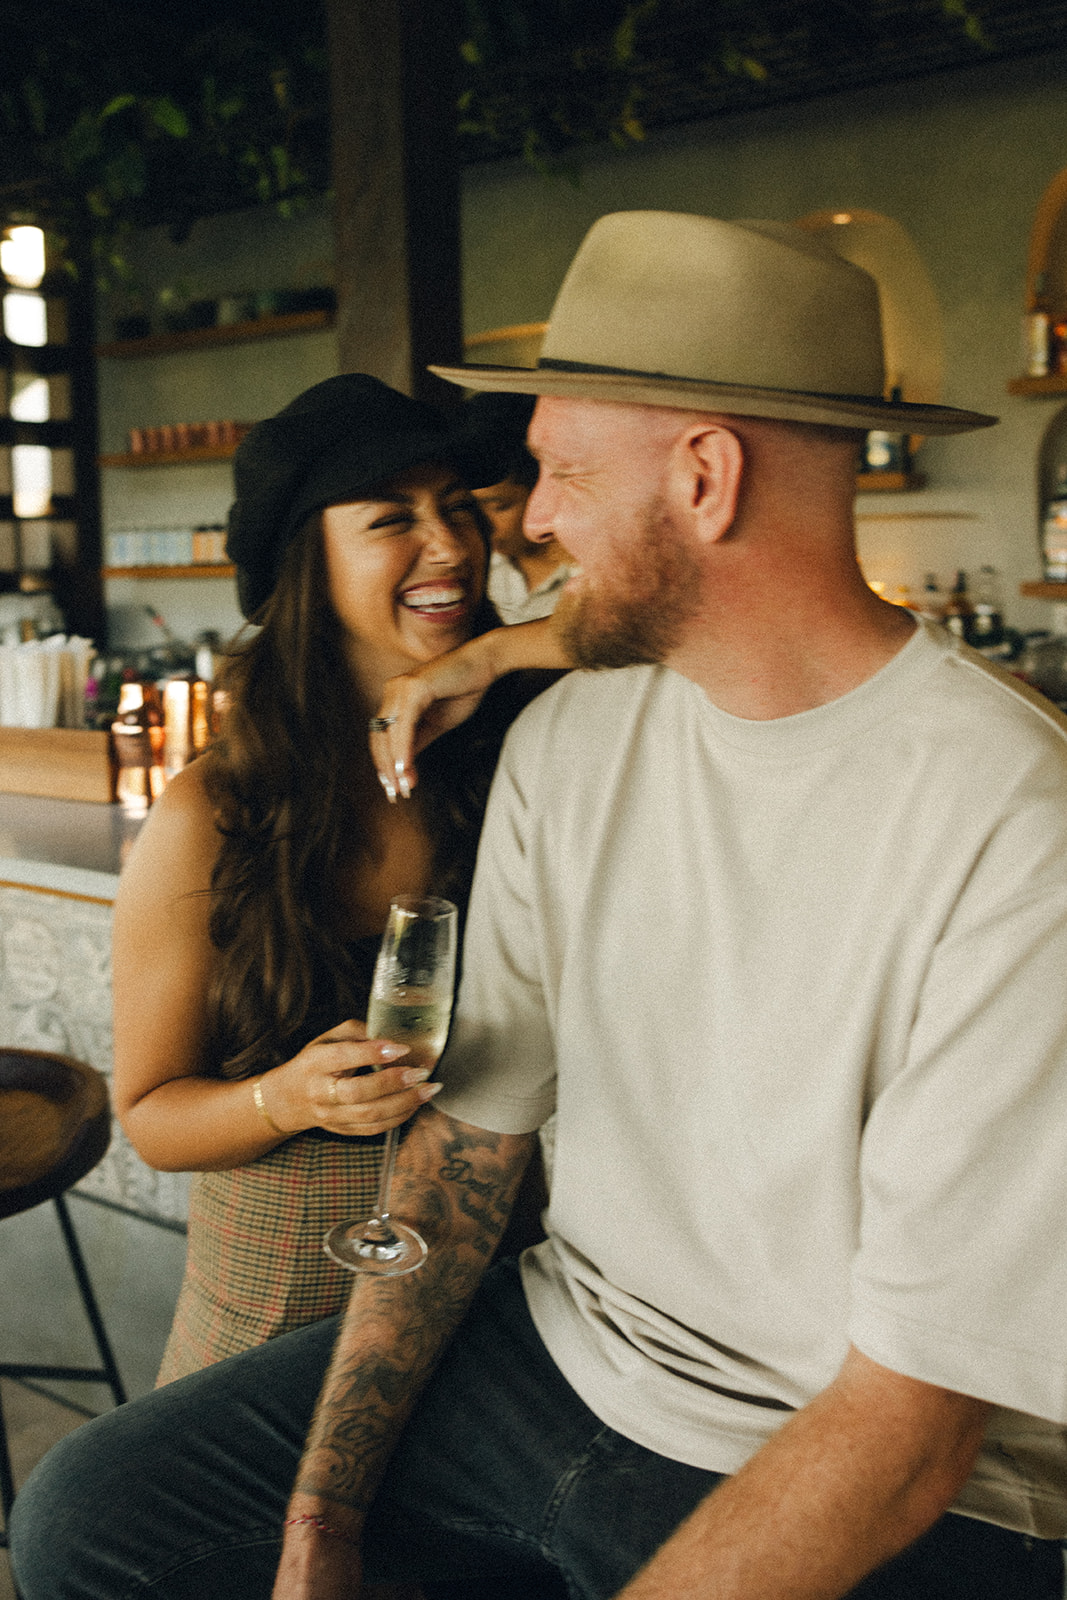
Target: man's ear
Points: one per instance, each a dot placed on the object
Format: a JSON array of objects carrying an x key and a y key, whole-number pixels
[{"x": 707, "y": 466}]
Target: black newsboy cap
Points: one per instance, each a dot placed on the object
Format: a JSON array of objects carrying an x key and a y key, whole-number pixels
[{"x": 336, "y": 441}]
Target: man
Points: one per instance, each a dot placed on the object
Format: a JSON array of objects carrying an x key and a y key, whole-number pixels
[
  {"x": 526, "y": 576},
  {"x": 776, "y": 919}
]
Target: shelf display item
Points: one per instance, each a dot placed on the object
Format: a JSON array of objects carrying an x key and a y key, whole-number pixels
[{"x": 1054, "y": 532}]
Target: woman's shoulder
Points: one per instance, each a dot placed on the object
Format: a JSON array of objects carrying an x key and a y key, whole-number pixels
[
  {"x": 187, "y": 803},
  {"x": 178, "y": 843}
]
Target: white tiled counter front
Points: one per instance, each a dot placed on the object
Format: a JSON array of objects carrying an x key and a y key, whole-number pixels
[{"x": 59, "y": 863}]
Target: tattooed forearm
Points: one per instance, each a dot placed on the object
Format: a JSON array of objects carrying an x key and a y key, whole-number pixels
[
  {"x": 457, "y": 1184},
  {"x": 483, "y": 1196}
]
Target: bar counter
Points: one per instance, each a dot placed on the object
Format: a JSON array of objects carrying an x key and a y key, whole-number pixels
[
  {"x": 59, "y": 871},
  {"x": 70, "y": 846}
]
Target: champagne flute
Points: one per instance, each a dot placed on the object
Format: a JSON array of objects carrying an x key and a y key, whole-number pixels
[{"x": 410, "y": 1003}]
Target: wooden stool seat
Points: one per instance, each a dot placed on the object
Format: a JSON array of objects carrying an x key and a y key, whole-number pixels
[{"x": 55, "y": 1125}]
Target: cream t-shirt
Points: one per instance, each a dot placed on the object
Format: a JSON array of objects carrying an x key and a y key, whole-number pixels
[{"x": 798, "y": 990}]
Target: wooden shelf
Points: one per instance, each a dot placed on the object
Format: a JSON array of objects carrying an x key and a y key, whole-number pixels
[
  {"x": 163, "y": 344},
  {"x": 57, "y": 763},
  {"x": 888, "y": 482},
  {"x": 1035, "y": 388},
  {"x": 1045, "y": 591},
  {"x": 168, "y": 458},
  {"x": 217, "y": 569},
  {"x": 518, "y": 330}
]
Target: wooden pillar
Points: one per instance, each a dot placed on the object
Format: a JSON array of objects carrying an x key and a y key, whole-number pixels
[{"x": 396, "y": 189}]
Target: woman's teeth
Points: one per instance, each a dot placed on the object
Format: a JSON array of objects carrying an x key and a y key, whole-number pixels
[{"x": 433, "y": 599}]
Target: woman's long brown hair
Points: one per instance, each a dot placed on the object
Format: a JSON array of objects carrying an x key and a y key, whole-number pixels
[{"x": 288, "y": 778}]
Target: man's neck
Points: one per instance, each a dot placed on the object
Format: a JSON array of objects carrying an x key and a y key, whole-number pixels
[{"x": 792, "y": 650}]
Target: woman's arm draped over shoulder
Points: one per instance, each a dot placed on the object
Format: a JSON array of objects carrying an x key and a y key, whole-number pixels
[
  {"x": 457, "y": 1184},
  {"x": 176, "y": 1112},
  {"x": 446, "y": 691}
]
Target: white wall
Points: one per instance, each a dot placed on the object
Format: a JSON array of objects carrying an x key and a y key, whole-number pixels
[
  {"x": 244, "y": 382},
  {"x": 961, "y": 160}
]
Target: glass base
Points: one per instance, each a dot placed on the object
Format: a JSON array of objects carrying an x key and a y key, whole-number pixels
[{"x": 386, "y": 1249}]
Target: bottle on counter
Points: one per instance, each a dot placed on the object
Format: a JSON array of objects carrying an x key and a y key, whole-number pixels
[
  {"x": 203, "y": 725},
  {"x": 958, "y": 608},
  {"x": 133, "y": 751},
  {"x": 887, "y": 452},
  {"x": 1038, "y": 330},
  {"x": 931, "y": 602},
  {"x": 187, "y": 724},
  {"x": 985, "y": 628},
  {"x": 1057, "y": 345},
  {"x": 177, "y": 725},
  {"x": 1054, "y": 531},
  {"x": 157, "y": 738},
  {"x": 102, "y": 691}
]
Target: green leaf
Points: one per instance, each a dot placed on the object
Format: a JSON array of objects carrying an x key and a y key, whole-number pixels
[
  {"x": 279, "y": 82},
  {"x": 121, "y": 102},
  {"x": 973, "y": 28},
  {"x": 282, "y": 170},
  {"x": 740, "y": 65},
  {"x": 624, "y": 40},
  {"x": 36, "y": 105},
  {"x": 169, "y": 117},
  {"x": 126, "y": 174},
  {"x": 82, "y": 144}
]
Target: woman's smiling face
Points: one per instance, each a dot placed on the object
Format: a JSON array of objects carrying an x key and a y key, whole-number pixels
[{"x": 405, "y": 572}]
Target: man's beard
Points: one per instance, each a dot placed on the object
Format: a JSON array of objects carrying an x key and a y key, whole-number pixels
[{"x": 637, "y": 613}]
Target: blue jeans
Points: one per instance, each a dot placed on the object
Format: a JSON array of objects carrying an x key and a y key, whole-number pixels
[{"x": 504, "y": 1486}]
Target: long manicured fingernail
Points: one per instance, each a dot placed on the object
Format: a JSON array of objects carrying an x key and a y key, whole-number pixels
[
  {"x": 390, "y": 1052},
  {"x": 386, "y": 783},
  {"x": 415, "y": 1075},
  {"x": 402, "y": 781},
  {"x": 428, "y": 1090}
]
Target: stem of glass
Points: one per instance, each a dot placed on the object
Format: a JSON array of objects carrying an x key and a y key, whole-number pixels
[{"x": 379, "y": 1222}]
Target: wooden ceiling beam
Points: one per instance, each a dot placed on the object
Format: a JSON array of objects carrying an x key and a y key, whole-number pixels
[{"x": 396, "y": 186}]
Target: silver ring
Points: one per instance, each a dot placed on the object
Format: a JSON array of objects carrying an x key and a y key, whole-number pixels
[{"x": 379, "y": 724}]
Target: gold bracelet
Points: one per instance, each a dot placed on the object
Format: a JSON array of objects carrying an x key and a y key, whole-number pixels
[{"x": 257, "y": 1096}]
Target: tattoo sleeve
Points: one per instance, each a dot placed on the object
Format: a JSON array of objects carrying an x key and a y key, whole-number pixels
[{"x": 457, "y": 1184}]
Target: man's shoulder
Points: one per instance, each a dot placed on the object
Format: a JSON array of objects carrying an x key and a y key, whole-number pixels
[
  {"x": 1009, "y": 713},
  {"x": 586, "y": 706}
]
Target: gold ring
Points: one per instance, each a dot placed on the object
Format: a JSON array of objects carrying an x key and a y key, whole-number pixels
[{"x": 333, "y": 1092}]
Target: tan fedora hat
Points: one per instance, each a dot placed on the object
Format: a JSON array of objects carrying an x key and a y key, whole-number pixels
[{"x": 758, "y": 319}]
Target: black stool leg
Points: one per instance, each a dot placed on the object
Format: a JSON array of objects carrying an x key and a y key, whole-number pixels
[
  {"x": 7, "y": 1489},
  {"x": 7, "y": 1479},
  {"x": 96, "y": 1322}
]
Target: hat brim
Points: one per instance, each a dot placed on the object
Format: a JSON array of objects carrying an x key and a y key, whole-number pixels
[{"x": 779, "y": 405}]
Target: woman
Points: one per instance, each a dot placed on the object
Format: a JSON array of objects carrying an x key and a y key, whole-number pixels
[{"x": 249, "y": 914}]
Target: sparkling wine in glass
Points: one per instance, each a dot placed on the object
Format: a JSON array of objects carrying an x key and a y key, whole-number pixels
[{"x": 410, "y": 1003}]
